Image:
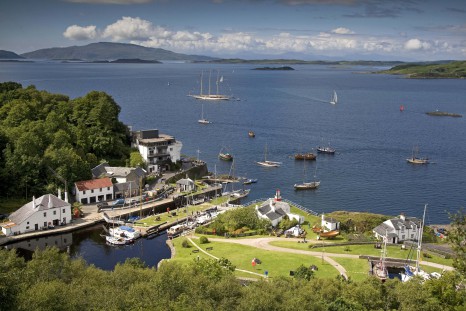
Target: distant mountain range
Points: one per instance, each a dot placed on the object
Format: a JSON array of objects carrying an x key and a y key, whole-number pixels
[
  {"x": 103, "y": 51},
  {"x": 9, "y": 55}
]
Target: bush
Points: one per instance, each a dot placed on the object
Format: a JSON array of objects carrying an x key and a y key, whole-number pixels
[
  {"x": 185, "y": 244},
  {"x": 203, "y": 240}
]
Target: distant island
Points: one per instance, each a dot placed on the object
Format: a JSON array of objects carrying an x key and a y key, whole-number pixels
[
  {"x": 274, "y": 68},
  {"x": 444, "y": 114},
  {"x": 282, "y": 61},
  {"x": 441, "y": 70},
  {"x": 109, "y": 51},
  {"x": 9, "y": 55},
  {"x": 128, "y": 61}
]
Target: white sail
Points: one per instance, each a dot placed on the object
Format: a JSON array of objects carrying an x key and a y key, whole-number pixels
[{"x": 334, "y": 98}]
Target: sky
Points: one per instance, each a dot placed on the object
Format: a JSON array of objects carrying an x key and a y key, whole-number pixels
[{"x": 407, "y": 30}]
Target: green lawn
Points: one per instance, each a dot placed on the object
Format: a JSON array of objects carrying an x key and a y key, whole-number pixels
[
  {"x": 357, "y": 269},
  {"x": 276, "y": 263},
  {"x": 392, "y": 251}
]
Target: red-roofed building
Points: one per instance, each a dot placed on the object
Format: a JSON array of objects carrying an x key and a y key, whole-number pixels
[{"x": 94, "y": 190}]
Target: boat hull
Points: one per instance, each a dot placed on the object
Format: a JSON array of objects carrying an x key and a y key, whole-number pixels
[
  {"x": 307, "y": 186},
  {"x": 305, "y": 156}
]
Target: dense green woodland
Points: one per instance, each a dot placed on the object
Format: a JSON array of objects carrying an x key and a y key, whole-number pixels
[
  {"x": 42, "y": 132},
  {"x": 52, "y": 281}
]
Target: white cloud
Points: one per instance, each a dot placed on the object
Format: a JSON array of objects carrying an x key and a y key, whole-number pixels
[
  {"x": 334, "y": 42},
  {"x": 342, "y": 31},
  {"x": 76, "y": 32},
  {"x": 416, "y": 44},
  {"x": 129, "y": 28}
]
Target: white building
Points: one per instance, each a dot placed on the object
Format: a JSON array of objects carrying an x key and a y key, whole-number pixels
[
  {"x": 44, "y": 212},
  {"x": 274, "y": 209},
  {"x": 398, "y": 229},
  {"x": 186, "y": 184},
  {"x": 329, "y": 224},
  {"x": 158, "y": 150},
  {"x": 94, "y": 190}
]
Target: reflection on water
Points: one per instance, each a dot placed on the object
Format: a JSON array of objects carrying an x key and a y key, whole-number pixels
[{"x": 91, "y": 246}]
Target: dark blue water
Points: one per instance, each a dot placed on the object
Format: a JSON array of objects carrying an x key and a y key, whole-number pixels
[
  {"x": 91, "y": 246},
  {"x": 289, "y": 111}
]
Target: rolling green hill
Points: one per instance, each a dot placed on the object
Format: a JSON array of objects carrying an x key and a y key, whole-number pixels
[{"x": 451, "y": 70}]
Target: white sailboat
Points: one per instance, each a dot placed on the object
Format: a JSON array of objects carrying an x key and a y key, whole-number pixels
[
  {"x": 307, "y": 185},
  {"x": 268, "y": 163},
  {"x": 334, "y": 99},
  {"x": 412, "y": 271},
  {"x": 203, "y": 120},
  {"x": 210, "y": 96}
]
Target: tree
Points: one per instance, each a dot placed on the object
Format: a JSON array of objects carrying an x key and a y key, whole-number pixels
[
  {"x": 135, "y": 159},
  {"x": 303, "y": 273},
  {"x": 457, "y": 239}
]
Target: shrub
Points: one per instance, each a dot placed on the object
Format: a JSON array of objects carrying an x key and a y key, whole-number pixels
[
  {"x": 185, "y": 244},
  {"x": 203, "y": 240},
  {"x": 347, "y": 248}
]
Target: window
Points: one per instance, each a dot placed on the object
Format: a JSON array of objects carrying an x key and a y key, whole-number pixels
[
  {"x": 108, "y": 188},
  {"x": 63, "y": 210},
  {"x": 92, "y": 191},
  {"x": 27, "y": 227},
  {"x": 100, "y": 189},
  {"x": 84, "y": 192},
  {"x": 403, "y": 237},
  {"x": 45, "y": 214},
  {"x": 402, "y": 228},
  {"x": 27, "y": 223},
  {"x": 412, "y": 235},
  {"x": 55, "y": 212}
]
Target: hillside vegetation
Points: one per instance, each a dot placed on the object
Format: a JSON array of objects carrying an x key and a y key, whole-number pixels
[
  {"x": 42, "y": 132},
  {"x": 452, "y": 70}
]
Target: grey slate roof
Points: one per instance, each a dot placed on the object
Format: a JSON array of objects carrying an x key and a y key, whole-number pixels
[
  {"x": 383, "y": 229},
  {"x": 330, "y": 219},
  {"x": 120, "y": 187},
  {"x": 266, "y": 210},
  {"x": 41, "y": 204},
  {"x": 99, "y": 170},
  {"x": 408, "y": 222}
]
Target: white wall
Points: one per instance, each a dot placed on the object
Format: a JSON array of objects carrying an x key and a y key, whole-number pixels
[{"x": 95, "y": 193}]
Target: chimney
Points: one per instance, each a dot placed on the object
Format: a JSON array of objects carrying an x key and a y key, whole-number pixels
[
  {"x": 66, "y": 196},
  {"x": 50, "y": 205},
  {"x": 59, "y": 193},
  {"x": 33, "y": 202}
]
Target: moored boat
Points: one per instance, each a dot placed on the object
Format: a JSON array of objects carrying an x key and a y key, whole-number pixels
[
  {"x": 307, "y": 185},
  {"x": 267, "y": 163},
  {"x": 305, "y": 156},
  {"x": 225, "y": 156},
  {"x": 251, "y": 134},
  {"x": 329, "y": 234},
  {"x": 414, "y": 159},
  {"x": 125, "y": 232},
  {"x": 327, "y": 150},
  {"x": 113, "y": 240},
  {"x": 250, "y": 181}
]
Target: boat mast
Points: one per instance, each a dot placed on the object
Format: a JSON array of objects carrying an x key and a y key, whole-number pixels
[
  {"x": 419, "y": 240},
  {"x": 202, "y": 76},
  {"x": 218, "y": 79},
  {"x": 210, "y": 74}
]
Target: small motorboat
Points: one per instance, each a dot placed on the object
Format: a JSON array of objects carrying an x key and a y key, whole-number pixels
[
  {"x": 327, "y": 150},
  {"x": 251, "y": 134},
  {"x": 249, "y": 181}
]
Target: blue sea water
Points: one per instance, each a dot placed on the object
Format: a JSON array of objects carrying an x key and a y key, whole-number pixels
[{"x": 289, "y": 111}]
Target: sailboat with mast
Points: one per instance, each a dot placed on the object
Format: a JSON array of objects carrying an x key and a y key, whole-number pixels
[
  {"x": 414, "y": 159},
  {"x": 235, "y": 194},
  {"x": 209, "y": 95},
  {"x": 334, "y": 99},
  {"x": 307, "y": 185},
  {"x": 410, "y": 272},
  {"x": 267, "y": 163},
  {"x": 203, "y": 120}
]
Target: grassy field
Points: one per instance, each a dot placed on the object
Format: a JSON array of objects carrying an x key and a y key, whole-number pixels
[
  {"x": 368, "y": 249},
  {"x": 276, "y": 263}
]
